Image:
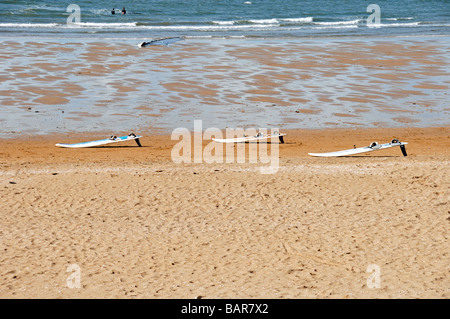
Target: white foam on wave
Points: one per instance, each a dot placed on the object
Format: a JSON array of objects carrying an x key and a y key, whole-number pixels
[
  {"x": 266, "y": 21},
  {"x": 29, "y": 25},
  {"x": 263, "y": 21},
  {"x": 396, "y": 19},
  {"x": 209, "y": 27},
  {"x": 103, "y": 25},
  {"x": 299, "y": 20},
  {"x": 412, "y": 24},
  {"x": 224, "y": 22},
  {"x": 256, "y": 25},
  {"x": 339, "y": 22},
  {"x": 384, "y": 25},
  {"x": 71, "y": 25},
  {"x": 40, "y": 7}
]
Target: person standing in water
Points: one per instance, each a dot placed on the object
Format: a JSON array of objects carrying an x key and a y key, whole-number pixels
[
  {"x": 124, "y": 11},
  {"x": 113, "y": 11}
]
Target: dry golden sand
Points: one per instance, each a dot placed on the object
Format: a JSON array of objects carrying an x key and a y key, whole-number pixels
[{"x": 139, "y": 226}]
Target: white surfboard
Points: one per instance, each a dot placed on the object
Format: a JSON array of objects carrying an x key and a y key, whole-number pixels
[
  {"x": 112, "y": 139},
  {"x": 259, "y": 136},
  {"x": 372, "y": 147}
]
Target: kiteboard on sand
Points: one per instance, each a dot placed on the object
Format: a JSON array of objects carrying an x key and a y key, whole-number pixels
[
  {"x": 162, "y": 41},
  {"x": 259, "y": 136},
  {"x": 112, "y": 139},
  {"x": 372, "y": 147}
]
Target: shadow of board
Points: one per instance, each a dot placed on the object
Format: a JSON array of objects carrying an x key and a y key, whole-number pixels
[
  {"x": 117, "y": 146},
  {"x": 363, "y": 156}
]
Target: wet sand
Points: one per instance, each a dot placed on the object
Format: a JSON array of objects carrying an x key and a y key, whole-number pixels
[
  {"x": 59, "y": 86},
  {"x": 137, "y": 225}
]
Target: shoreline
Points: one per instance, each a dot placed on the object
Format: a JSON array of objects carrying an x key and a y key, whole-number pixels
[{"x": 238, "y": 37}]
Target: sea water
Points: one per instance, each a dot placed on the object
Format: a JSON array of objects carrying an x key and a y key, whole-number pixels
[{"x": 223, "y": 18}]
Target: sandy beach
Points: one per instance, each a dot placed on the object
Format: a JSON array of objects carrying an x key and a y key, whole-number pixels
[
  {"x": 136, "y": 225},
  {"x": 183, "y": 217},
  {"x": 123, "y": 221}
]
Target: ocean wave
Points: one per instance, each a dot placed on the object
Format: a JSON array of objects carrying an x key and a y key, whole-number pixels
[
  {"x": 43, "y": 8},
  {"x": 215, "y": 26},
  {"x": 298, "y": 20},
  {"x": 356, "y": 21},
  {"x": 264, "y": 21},
  {"x": 101, "y": 11},
  {"x": 210, "y": 27},
  {"x": 71, "y": 25},
  {"x": 412, "y": 24},
  {"x": 136, "y": 26},
  {"x": 384, "y": 25},
  {"x": 29, "y": 25},
  {"x": 114, "y": 25},
  {"x": 397, "y": 19},
  {"x": 223, "y": 22}
]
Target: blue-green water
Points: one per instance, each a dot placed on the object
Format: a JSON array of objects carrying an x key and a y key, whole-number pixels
[{"x": 223, "y": 18}]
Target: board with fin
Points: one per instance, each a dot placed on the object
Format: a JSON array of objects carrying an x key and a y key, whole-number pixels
[
  {"x": 372, "y": 147},
  {"x": 112, "y": 139}
]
